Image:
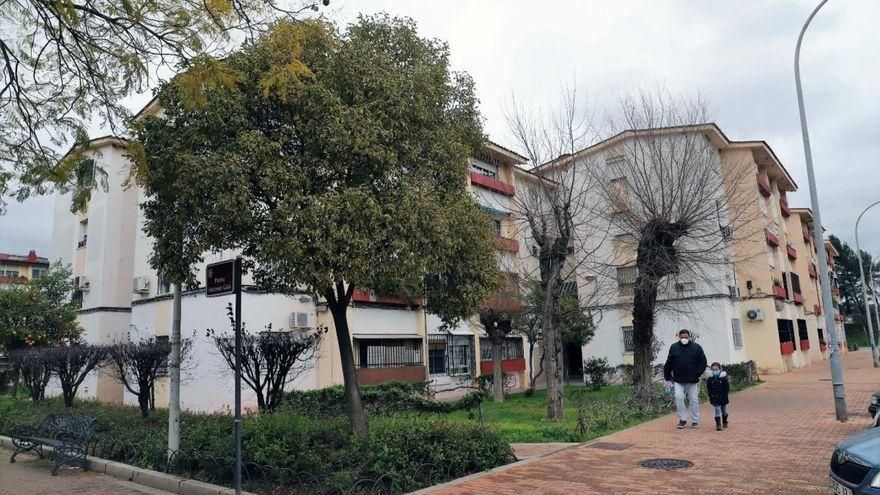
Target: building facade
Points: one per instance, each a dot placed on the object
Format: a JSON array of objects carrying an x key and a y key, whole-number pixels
[{"x": 18, "y": 269}]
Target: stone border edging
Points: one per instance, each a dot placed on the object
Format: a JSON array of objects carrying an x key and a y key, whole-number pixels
[{"x": 145, "y": 477}]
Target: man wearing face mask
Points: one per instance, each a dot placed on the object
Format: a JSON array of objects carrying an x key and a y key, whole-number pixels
[{"x": 684, "y": 367}]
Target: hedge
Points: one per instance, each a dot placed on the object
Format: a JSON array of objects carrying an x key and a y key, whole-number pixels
[{"x": 385, "y": 398}]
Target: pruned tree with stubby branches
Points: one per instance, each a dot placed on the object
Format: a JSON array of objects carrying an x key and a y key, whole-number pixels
[
  {"x": 555, "y": 211},
  {"x": 68, "y": 63},
  {"x": 138, "y": 364},
  {"x": 675, "y": 207},
  {"x": 31, "y": 368},
  {"x": 71, "y": 364},
  {"x": 270, "y": 360},
  {"x": 499, "y": 318}
]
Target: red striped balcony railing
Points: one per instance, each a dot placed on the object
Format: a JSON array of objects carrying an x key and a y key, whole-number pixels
[
  {"x": 778, "y": 291},
  {"x": 13, "y": 280},
  {"x": 798, "y": 298},
  {"x": 805, "y": 345},
  {"x": 764, "y": 186},
  {"x": 791, "y": 251},
  {"x": 772, "y": 239},
  {"x": 491, "y": 184},
  {"x": 811, "y": 269},
  {"x": 786, "y": 348},
  {"x": 783, "y": 206},
  {"x": 365, "y": 296},
  {"x": 506, "y": 244}
]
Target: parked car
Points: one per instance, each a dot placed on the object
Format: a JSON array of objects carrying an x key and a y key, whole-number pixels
[{"x": 855, "y": 465}]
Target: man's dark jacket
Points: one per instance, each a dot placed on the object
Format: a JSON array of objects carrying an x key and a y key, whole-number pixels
[{"x": 685, "y": 364}]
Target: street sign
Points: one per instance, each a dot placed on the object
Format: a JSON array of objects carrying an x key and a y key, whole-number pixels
[{"x": 220, "y": 279}]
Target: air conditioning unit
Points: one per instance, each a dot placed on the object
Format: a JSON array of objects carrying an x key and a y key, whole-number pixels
[
  {"x": 755, "y": 315},
  {"x": 305, "y": 299},
  {"x": 141, "y": 285},
  {"x": 81, "y": 282},
  {"x": 299, "y": 321}
]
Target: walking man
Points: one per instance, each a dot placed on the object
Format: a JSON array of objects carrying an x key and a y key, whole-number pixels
[{"x": 684, "y": 367}]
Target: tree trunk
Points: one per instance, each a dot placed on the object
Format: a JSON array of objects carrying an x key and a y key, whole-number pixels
[
  {"x": 68, "y": 393},
  {"x": 533, "y": 377},
  {"x": 144, "y": 402},
  {"x": 497, "y": 373},
  {"x": 553, "y": 363},
  {"x": 644, "y": 302},
  {"x": 353, "y": 404}
]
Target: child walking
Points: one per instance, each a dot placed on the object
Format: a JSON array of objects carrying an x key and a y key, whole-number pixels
[{"x": 718, "y": 388}]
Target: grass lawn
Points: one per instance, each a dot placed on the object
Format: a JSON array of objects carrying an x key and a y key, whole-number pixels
[{"x": 524, "y": 419}]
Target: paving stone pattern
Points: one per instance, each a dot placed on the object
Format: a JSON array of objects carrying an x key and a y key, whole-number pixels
[{"x": 781, "y": 437}]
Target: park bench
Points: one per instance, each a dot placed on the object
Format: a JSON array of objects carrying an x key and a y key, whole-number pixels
[{"x": 67, "y": 434}]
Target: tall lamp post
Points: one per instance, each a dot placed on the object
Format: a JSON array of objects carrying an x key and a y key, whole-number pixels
[
  {"x": 834, "y": 355},
  {"x": 865, "y": 286}
]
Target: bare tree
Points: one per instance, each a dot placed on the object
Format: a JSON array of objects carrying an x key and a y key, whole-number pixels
[
  {"x": 72, "y": 364},
  {"x": 555, "y": 212},
  {"x": 32, "y": 369},
  {"x": 674, "y": 206},
  {"x": 499, "y": 318},
  {"x": 137, "y": 366},
  {"x": 270, "y": 360}
]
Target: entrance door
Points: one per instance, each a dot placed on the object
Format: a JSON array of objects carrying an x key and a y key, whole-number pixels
[{"x": 574, "y": 362}]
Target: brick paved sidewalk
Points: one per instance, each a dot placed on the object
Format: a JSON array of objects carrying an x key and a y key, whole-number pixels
[
  {"x": 31, "y": 476},
  {"x": 780, "y": 438}
]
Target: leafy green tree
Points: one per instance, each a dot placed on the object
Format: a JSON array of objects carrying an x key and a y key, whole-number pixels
[
  {"x": 66, "y": 63},
  {"x": 848, "y": 276},
  {"x": 39, "y": 313},
  {"x": 331, "y": 160}
]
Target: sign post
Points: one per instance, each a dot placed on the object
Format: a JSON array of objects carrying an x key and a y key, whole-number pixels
[{"x": 223, "y": 279}]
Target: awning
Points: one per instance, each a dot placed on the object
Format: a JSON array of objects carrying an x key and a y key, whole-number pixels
[{"x": 387, "y": 336}]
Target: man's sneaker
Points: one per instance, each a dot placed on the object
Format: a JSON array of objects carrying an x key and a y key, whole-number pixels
[
  {"x": 694, "y": 425},
  {"x": 681, "y": 425}
]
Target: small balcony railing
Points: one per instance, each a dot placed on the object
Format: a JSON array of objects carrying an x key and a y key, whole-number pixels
[
  {"x": 772, "y": 239},
  {"x": 806, "y": 235},
  {"x": 805, "y": 345},
  {"x": 798, "y": 298},
  {"x": 764, "y": 186},
  {"x": 783, "y": 207},
  {"x": 779, "y": 292},
  {"x": 491, "y": 184},
  {"x": 811, "y": 269},
  {"x": 365, "y": 296},
  {"x": 786, "y": 348},
  {"x": 791, "y": 252},
  {"x": 506, "y": 243}
]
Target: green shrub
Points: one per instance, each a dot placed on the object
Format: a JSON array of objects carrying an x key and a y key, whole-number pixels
[
  {"x": 596, "y": 370},
  {"x": 378, "y": 399}
]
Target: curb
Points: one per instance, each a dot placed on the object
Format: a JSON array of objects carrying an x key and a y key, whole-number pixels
[{"x": 144, "y": 477}]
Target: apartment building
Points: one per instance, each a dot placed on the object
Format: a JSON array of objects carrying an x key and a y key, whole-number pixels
[
  {"x": 122, "y": 297},
  {"x": 18, "y": 269},
  {"x": 758, "y": 300}
]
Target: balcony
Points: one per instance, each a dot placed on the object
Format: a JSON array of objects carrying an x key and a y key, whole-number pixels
[
  {"x": 506, "y": 243},
  {"x": 807, "y": 236},
  {"x": 779, "y": 292},
  {"x": 504, "y": 303},
  {"x": 798, "y": 298},
  {"x": 373, "y": 376},
  {"x": 507, "y": 366},
  {"x": 13, "y": 280},
  {"x": 783, "y": 207},
  {"x": 811, "y": 269},
  {"x": 791, "y": 252},
  {"x": 365, "y": 296},
  {"x": 82, "y": 242},
  {"x": 764, "y": 187},
  {"x": 805, "y": 345},
  {"x": 772, "y": 239},
  {"x": 786, "y": 348},
  {"x": 386, "y": 360},
  {"x": 491, "y": 184}
]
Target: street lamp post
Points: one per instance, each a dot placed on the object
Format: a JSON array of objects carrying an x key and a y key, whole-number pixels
[
  {"x": 818, "y": 237},
  {"x": 865, "y": 286}
]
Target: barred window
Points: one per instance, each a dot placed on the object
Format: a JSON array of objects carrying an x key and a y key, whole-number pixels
[
  {"x": 511, "y": 348},
  {"x": 736, "y": 325},
  {"x": 628, "y": 346},
  {"x": 388, "y": 353},
  {"x": 626, "y": 278}
]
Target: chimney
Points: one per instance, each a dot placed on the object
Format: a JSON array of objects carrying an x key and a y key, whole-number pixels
[{"x": 32, "y": 256}]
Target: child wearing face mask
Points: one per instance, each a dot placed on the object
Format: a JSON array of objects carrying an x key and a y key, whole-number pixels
[{"x": 718, "y": 387}]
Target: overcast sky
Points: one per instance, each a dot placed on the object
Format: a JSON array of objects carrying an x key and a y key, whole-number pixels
[{"x": 737, "y": 55}]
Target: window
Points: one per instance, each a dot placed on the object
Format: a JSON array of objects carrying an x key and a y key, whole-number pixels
[
  {"x": 9, "y": 273},
  {"x": 786, "y": 331},
  {"x": 802, "y": 330},
  {"x": 85, "y": 173},
  {"x": 484, "y": 168},
  {"x": 460, "y": 355},
  {"x": 163, "y": 287},
  {"x": 437, "y": 354},
  {"x": 511, "y": 348},
  {"x": 628, "y": 346},
  {"x": 821, "y": 336},
  {"x": 76, "y": 299},
  {"x": 626, "y": 278},
  {"x": 618, "y": 191},
  {"x": 163, "y": 368},
  {"x": 736, "y": 325},
  {"x": 685, "y": 286},
  {"x": 388, "y": 353},
  {"x": 496, "y": 226},
  {"x": 36, "y": 272},
  {"x": 726, "y": 232},
  {"x": 83, "y": 234},
  {"x": 568, "y": 289},
  {"x": 795, "y": 283}
]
